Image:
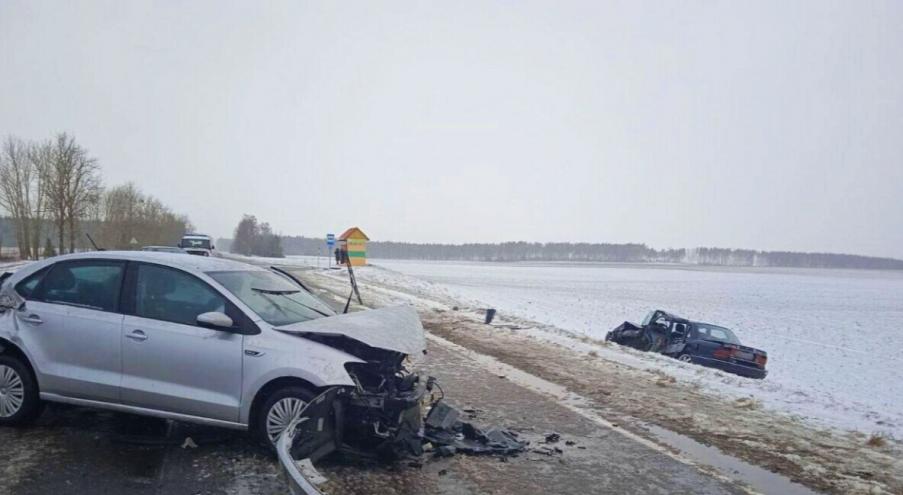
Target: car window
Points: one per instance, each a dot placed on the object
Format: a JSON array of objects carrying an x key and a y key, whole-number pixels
[
  {"x": 89, "y": 284},
  {"x": 26, "y": 287},
  {"x": 167, "y": 294},
  {"x": 717, "y": 333}
]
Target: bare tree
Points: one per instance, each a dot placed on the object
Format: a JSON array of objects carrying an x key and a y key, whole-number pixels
[
  {"x": 16, "y": 177},
  {"x": 57, "y": 178},
  {"x": 73, "y": 184},
  {"x": 56, "y": 182},
  {"x": 127, "y": 213},
  {"x": 41, "y": 157}
]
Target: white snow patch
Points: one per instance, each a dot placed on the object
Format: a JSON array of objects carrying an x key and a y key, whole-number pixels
[{"x": 833, "y": 337}]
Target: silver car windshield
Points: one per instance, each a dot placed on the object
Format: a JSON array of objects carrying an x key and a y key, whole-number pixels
[{"x": 276, "y": 300}]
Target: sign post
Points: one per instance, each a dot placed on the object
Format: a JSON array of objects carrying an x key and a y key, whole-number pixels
[{"x": 330, "y": 243}]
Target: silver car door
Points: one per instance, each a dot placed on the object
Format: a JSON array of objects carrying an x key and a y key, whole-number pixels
[
  {"x": 71, "y": 325},
  {"x": 170, "y": 363}
]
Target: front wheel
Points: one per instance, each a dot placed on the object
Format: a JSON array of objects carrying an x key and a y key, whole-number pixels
[
  {"x": 19, "y": 400},
  {"x": 686, "y": 358},
  {"x": 278, "y": 411}
]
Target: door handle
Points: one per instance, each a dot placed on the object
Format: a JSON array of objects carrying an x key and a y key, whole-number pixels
[
  {"x": 32, "y": 318},
  {"x": 137, "y": 335}
]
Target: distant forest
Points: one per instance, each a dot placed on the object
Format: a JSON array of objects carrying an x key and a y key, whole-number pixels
[{"x": 592, "y": 252}]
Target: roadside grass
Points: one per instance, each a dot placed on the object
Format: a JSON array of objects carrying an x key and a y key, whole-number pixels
[
  {"x": 664, "y": 381},
  {"x": 877, "y": 440},
  {"x": 749, "y": 403}
]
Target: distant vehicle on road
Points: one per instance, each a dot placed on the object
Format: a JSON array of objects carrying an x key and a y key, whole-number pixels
[
  {"x": 199, "y": 244},
  {"x": 164, "y": 249},
  {"x": 691, "y": 342}
]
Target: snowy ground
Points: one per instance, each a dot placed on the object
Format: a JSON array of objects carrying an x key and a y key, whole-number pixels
[{"x": 833, "y": 336}]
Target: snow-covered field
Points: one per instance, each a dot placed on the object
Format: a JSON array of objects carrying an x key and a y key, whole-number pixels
[{"x": 834, "y": 337}]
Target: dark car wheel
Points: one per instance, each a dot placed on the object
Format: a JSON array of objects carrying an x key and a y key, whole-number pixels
[
  {"x": 686, "y": 358},
  {"x": 19, "y": 401},
  {"x": 278, "y": 410}
]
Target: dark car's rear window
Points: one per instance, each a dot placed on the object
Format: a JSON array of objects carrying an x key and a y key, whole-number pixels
[{"x": 721, "y": 334}]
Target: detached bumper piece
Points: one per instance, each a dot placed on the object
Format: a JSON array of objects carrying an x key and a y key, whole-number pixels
[{"x": 316, "y": 433}]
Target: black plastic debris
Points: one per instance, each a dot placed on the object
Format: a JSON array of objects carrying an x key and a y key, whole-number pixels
[
  {"x": 553, "y": 438},
  {"x": 443, "y": 429},
  {"x": 442, "y": 416},
  {"x": 446, "y": 451},
  {"x": 549, "y": 451},
  {"x": 490, "y": 314}
]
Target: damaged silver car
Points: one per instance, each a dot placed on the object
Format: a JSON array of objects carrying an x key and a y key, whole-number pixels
[{"x": 207, "y": 340}]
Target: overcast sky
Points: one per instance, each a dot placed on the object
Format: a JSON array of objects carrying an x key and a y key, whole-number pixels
[{"x": 766, "y": 125}]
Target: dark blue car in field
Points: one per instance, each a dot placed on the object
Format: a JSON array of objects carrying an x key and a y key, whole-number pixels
[{"x": 692, "y": 342}]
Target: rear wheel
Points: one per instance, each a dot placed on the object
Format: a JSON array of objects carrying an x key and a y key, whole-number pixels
[
  {"x": 686, "y": 358},
  {"x": 19, "y": 401},
  {"x": 279, "y": 410}
]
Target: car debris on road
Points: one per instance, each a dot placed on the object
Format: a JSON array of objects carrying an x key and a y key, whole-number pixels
[{"x": 319, "y": 430}]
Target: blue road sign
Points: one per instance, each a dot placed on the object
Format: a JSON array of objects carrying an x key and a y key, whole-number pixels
[{"x": 330, "y": 240}]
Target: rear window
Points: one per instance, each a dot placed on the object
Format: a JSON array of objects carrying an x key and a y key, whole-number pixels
[
  {"x": 195, "y": 243},
  {"x": 87, "y": 284},
  {"x": 720, "y": 334}
]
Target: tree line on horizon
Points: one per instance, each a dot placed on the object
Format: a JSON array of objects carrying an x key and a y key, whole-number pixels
[
  {"x": 593, "y": 252},
  {"x": 53, "y": 190}
]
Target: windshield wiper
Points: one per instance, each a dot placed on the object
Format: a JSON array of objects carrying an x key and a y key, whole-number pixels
[
  {"x": 275, "y": 292},
  {"x": 285, "y": 293}
]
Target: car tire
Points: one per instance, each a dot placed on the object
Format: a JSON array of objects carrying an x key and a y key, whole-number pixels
[
  {"x": 685, "y": 358},
  {"x": 280, "y": 407},
  {"x": 20, "y": 403}
]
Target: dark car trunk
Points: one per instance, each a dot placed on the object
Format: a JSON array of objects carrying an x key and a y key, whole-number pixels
[{"x": 740, "y": 354}]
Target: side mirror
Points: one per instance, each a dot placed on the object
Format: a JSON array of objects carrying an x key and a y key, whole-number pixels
[{"x": 215, "y": 320}]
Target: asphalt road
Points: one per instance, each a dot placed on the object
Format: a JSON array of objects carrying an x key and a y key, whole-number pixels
[{"x": 75, "y": 450}]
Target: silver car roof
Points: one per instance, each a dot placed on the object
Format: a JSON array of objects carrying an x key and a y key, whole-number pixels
[{"x": 202, "y": 264}]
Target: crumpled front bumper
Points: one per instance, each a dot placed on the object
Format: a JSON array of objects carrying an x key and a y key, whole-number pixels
[
  {"x": 316, "y": 432},
  {"x": 301, "y": 476},
  {"x": 339, "y": 413},
  {"x": 300, "y": 482}
]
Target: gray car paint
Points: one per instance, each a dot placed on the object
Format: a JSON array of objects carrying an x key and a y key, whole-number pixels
[{"x": 76, "y": 360}]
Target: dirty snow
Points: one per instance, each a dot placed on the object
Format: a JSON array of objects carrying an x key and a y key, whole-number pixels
[{"x": 832, "y": 336}]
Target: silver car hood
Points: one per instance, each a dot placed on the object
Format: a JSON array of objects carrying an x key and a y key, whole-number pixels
[{"x": 396, "y": 328}]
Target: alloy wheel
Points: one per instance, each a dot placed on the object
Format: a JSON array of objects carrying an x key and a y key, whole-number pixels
[
  {"x": 282, "y": 414},
  {"x": 12, "y": 392},
  {"x": 685, "y": 358}
]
